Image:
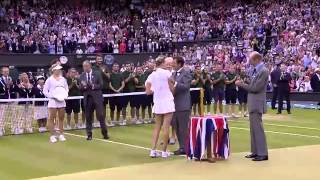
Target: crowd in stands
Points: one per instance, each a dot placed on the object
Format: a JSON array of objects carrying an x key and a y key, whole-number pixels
[
  {"x": 288, "y": 27},
  {"x": 284, "y": 31}
]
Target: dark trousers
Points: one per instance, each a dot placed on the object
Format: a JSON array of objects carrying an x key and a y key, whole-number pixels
[
  {"x": 180, "y": 122},
  {"x": 283, "y": 95},
  {"x": 274, "y": 97},
  {"x": 91, "y": 105}
]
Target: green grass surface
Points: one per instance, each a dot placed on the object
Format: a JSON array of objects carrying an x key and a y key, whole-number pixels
[{"x": 32, "y": 156}]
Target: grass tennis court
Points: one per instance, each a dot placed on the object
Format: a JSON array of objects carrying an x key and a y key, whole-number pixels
[{"x": 32, "y": 156}]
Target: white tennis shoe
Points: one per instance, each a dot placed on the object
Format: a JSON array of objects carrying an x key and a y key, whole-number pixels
[
  {"x": 53, "y": 139},
  {"x": 165, "y": 154},
  {"x": 155, "y": 154},
  {"x": 62, "y": 138}
]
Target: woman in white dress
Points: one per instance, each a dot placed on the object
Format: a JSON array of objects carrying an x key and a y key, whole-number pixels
[
  {"x": 56, "y": 89},
  {"x": 160, "y": 85}
]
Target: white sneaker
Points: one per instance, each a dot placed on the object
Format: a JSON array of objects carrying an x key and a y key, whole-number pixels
[
  {"x": 154, "y": 154},
  {"x": 172, "y": 141},
  {"x": 234, "y": 115},
  {"x": 53, "y": 139},
  {"x": 138, "y": 122},
  {"x": 20, "y": 131},
  {"x": 165, "y": 154},
  {"x": 29, "y": 130},
  {"x": 110, "y": 124},
  {"x": 62, "y": 138},
  {"x": 96, "y": 125},
  {"x": 68, "y": 127},
  {"x": 1, "y": 133},
  {"x": 123, "y": 123}
]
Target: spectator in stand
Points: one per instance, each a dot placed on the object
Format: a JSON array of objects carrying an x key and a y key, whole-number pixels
[
  {"x": 315, "y": 80},
  {"x": 304, "y": 85}
]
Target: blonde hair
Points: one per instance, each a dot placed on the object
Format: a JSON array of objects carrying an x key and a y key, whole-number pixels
[
  {"x": 160, "y": 60},
  {"x": 22, "y": 75}
]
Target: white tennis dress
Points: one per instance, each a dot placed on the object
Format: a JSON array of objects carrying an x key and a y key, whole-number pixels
[
  {"x": 56, "y": 91},
  {"x": 162, "y": 96}
]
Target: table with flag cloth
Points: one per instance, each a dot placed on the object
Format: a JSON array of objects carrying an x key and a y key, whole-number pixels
[{"x": 208, "y": 134}]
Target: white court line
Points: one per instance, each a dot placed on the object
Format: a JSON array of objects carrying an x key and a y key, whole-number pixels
[
  {"x": 108, "y": 141},
  {"x": 280, "y": 125},
  {"x": 231, "y": 127},
  {"x": 276, "y": 132},
  {"x": 115, "y": 142}
]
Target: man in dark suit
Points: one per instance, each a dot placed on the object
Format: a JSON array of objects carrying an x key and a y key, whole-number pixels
[
  {"x": 284, "y": 89},
  {"x": 8, "y": 90},
  {"x": 275, "y": 76},
  {"x": 315, "y": 81},
  {"x": 257, "y": 106},
  {"x": 182, "y": 81},
  {"x": 91, "y": 84}
]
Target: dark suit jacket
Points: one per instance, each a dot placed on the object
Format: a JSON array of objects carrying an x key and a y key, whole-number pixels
[
  {"x": 93, "y": 89},
  {"x": 283, "y": 82},
  {"x": 182, "y": 97},
  {"x": 4, "y": 91},
  {"x": 275, "y": 76},
  {"x": 315, "y": 83}
]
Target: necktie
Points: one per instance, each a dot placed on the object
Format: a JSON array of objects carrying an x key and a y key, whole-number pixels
[
  {"x": 88, "y": 77},
  {"x": 254, "y": 71}
]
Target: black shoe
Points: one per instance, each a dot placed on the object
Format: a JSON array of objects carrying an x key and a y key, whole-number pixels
[
  {"x": 278, "y": 112},
  {"x": 106, "y": 137},
  {"x": 289, "y": 112},
  {"x": 273, "y": 108},
  {"x": 260, "y": 158},
  {"x": 89, "y": 138},
  {"x": 251, "y": 156},
  {"x": 179, "y": 152}
]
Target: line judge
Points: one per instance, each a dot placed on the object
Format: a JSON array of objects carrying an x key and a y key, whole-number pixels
[{"x": 257, "y": 106}]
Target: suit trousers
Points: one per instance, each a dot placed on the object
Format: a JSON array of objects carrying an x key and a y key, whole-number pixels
[
  {"x": 91, "y": 105},
  {"x": 181, "y": 121},
  {"x": 258, "y": 137},
  {"x": 284, "y": 95},
  {"x": 274, "y": 97}
]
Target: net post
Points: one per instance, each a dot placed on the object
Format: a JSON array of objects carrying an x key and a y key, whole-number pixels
[{"x": 201, "y": 102}]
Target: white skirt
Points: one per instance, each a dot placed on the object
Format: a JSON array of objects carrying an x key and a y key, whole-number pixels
[
  {"x": 56, "y": 104},
  {"x": 163, "y": 107}
]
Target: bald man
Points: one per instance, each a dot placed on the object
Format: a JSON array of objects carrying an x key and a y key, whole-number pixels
[
  {"x": 91, "y": 85},
  {"x": 257, "y": 106}
]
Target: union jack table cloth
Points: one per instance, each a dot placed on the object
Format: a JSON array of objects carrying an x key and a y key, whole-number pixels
[{"x": 208, "y": 130}]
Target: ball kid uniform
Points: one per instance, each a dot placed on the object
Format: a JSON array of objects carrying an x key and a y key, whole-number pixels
[
  {"x": 231, "y": 89},
  {"x": 141, "y": 100},
  {"x": 73, "y": 105},
  {"x": 116, "y": 80},
  {"x": 242, "y": 93},
  {"x": 207, "y": 89},
  {"x": 195, "y": 95},
  {"x": 218, "y": 88},
  {"x": 129, "y": 88}
]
